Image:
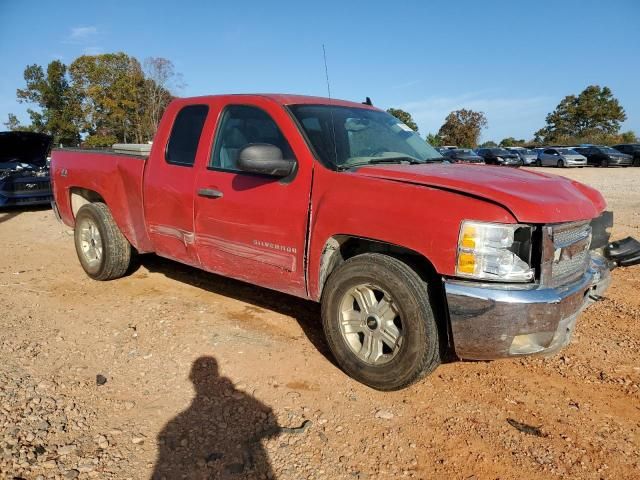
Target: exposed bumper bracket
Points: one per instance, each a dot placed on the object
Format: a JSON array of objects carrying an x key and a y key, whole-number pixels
[{"x": 623, "y": 253}]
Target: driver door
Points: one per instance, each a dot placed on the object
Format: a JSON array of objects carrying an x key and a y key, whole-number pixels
[{"x": 249, "y": 226}]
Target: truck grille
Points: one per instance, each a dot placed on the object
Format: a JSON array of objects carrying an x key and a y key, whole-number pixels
[{"x": 566, "y": 252}]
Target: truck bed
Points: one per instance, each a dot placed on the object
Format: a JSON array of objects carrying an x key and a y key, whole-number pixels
[{"x": 114, "y": 177}]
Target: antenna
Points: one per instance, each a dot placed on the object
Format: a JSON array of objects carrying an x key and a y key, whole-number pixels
[
  {"x": 326, "y": 70},
  {"x": 333, "y": 125}
]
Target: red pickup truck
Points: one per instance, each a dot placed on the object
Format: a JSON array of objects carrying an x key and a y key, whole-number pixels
[{"x": 410, "y": 256}]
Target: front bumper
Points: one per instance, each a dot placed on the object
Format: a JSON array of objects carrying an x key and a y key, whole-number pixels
[
  {"x": 621, "y": 161},
  {"x": 576, "y": 163},
  {"x": 25, "y": 191},
  {"x": 511, "y": 162},
  {"x": 490, "y": 321}
]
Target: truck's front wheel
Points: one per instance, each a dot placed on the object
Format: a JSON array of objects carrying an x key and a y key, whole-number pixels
[
  {"x": 379, "y": 323},
  {"x": 104, "y": 253}
]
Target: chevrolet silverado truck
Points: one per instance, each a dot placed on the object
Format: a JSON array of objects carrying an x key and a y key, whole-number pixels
[{"x": 412, "y": 258}]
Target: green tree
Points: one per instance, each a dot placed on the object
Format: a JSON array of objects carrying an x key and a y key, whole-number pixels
[
  {"x": 462, "y": 128},
  {"x": 628, "y": 137},
  {"x": 58, "y": 112},
  {"x": 404, "y": 117},
  {"x": 111, "y": 88},
  {"x": 434, "y": 140},
  {"x": 13, "y": 123},
  {"x": 512, "y": 142},
  {"x": 99, "y": 141},
  {"x": 489, "y": 144},
  {"x": 104, "y": 97},
  {"x": 594, "y": 114}
]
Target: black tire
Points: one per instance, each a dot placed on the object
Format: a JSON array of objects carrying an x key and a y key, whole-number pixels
[
  {"x": 636, "y": 162},
  {"x": 115, "y": 257},
  {"x": 538, "y": 163},
  {"x": 560, "y": 163},
  {"x": 419, "y": 352},
  {"x": 604, "y": 163}
]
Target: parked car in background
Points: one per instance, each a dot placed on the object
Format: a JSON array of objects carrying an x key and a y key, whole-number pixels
[
  {"x": 528, "y": 156},
  {"x": 604, "y": 156},
  {"x": 462, "y": 155},
  {"x": 499, "y": 156},
  {"x": 442, "y": 150},
  {"x": 24, "y": 170},
  {"x": 561, "y": 157},
  {"x": 632, "y": 149}
]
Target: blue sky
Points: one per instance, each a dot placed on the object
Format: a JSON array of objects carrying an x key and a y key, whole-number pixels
[{"x": 514, "y": 60}]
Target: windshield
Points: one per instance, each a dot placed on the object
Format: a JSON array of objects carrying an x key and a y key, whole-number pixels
[
  {"x": 345, "y": 137},
  {"x": 567, "y": 151},
  {"x": 501, "y": 152},
  {"x": 608, "y": 150},
  {"x": 464, "y": 151}
]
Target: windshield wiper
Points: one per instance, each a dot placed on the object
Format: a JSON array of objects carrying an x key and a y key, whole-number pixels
[
  {"x": 349, "y": 166},
  {"x": 376, "y": 161},
  {"x": 399, "y": 159}
]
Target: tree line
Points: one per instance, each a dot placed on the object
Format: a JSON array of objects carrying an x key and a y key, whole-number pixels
[
  {"x": 104, "y": 99},
  {"x": 593, "y": 116},
  {"x": 98, "y": 100}
]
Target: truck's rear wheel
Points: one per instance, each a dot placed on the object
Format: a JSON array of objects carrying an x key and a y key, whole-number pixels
[
  {"x": 379, "y": 323},
  {"x": 104, "y": 253}
]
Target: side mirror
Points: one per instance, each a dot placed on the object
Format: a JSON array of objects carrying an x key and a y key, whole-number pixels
[{"x": 264, "y": 159}]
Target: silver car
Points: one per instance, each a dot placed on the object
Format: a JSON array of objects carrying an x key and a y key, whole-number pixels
[
  {"x": 561, "y": 157},
  {"x": 528, "y": 156}
]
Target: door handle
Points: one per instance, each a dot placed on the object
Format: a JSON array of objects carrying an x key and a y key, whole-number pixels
[{"x": 210, "y": 193}]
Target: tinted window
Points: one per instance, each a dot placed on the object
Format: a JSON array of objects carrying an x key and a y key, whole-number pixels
[
  {"x": 499, "y": 152},
  {"x": 240, "y": 126},
  {"x": 185, "y": 135},
  {"x": 549, "y": 151}
]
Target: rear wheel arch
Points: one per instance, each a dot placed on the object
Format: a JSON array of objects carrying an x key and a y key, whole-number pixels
[{"x": 82, "y": 196}]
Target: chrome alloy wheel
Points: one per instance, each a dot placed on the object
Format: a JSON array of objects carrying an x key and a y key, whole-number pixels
[
  {"x": 90, "y": 242},
  {"x": 370, "y": 324}
]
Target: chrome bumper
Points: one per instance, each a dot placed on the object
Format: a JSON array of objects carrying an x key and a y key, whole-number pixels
[{"x": 490, "y": 321}]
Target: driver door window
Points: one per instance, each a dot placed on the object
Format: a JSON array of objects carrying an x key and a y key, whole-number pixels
[{"x": 242, "y": 125}]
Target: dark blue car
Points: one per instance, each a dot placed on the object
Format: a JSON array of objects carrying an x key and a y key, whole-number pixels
[{"x": 24, "y": 172}]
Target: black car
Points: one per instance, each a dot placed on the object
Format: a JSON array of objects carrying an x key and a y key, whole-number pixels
[
  {"x": 604, "y": 156},
  {"x": 632, "y": 149},
  {"x": 24, "y": 172},
  {"x": 499, "y": 156},
  {"x": 462, "y": 155}
]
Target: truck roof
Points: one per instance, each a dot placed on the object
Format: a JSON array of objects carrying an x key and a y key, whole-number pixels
[{"x": 281, "y": 98}]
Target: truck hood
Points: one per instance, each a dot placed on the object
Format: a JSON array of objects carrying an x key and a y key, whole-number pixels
[
  {"x": 532, "y": 197},
  {"x": 23, "y": 148}
]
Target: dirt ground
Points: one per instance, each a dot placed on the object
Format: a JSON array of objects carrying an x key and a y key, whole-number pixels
[{"x": 200, "y": 371}]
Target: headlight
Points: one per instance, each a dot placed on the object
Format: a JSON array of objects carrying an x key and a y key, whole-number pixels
[{"x": 493, "y": 251}]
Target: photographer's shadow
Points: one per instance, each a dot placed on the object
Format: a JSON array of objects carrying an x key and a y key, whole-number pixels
[{"x": 218, "y": 436}]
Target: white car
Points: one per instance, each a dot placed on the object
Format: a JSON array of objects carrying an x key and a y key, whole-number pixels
[{"x": 561, "y": 157}]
